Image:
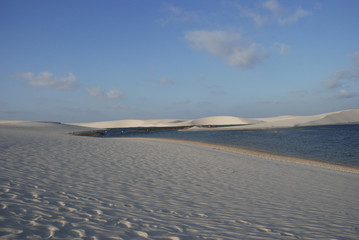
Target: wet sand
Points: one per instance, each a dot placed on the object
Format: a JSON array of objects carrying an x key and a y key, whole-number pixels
[{"x": 262, "y": 154}]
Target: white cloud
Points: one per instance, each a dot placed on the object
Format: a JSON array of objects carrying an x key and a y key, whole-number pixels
[
  {"x": 273, "y": 6},
  {"x": 47, "y": 79},
  {"x": 113, "y": 93},
  {"x": 277, "y": 13},
  {"x": 176, "y": 14},
  {"x": 229, "y": 46},
  {"x": 258, "y": 19},
  {"x": 293, "y": 17},
  {"x": 339, "y": 78},
  {"x": 216, "y": 42},
  {"x": 345, "y": 94},
  {"x": 345, "y": 77},
  {"x": 333, "y": 83},
  {"x": 95, "y": 92}
]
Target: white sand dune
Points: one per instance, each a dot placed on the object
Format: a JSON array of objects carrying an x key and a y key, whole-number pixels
[
  {"x": 113, "y": 124},
  {"x": 54, "y": 185},
  {"x": 10, "y": 122},
  {"x": 341, "y": 117},
  {"x": 137, "y": 123},
  {"x": 221, "y": 120}
]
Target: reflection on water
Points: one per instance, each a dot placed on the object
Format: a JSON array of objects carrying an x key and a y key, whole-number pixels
[{"x": 335, "y": 144}]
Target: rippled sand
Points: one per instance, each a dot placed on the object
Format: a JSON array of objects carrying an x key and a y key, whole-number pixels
[{"x": 55, "y": 185}]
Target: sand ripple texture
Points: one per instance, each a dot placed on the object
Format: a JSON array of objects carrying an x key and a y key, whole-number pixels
[{"x": 57, "y": 186}]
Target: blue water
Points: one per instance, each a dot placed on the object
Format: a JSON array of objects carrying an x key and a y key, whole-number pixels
[{"x": 338, "y": 144}]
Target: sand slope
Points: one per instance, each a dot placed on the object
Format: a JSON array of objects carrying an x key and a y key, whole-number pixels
[
  {"x": 59, "y": 186},
  {"x": 341, "y": 117},
  {"x": 221, "y": 120},
  {"x": 136, "y": 123}
]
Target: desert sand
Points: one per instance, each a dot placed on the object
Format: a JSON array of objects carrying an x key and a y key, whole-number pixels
[{"x": 54, "y": 185}]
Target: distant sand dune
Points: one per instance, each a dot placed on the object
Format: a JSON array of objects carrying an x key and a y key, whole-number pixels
[
  {"x": 112, "y": 124},
  {"x": 10, "y": 122},
  {"x": 342, "y": 117},
  {"x": 222, "y": 120}
]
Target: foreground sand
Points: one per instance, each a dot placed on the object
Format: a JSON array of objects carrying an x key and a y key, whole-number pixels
[{"x": 56, "y": 185}]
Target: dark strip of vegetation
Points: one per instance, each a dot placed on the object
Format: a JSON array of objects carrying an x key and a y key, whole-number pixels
[
  {"x": 148, "y": 129},
  {"x": 115, "y": 131}
]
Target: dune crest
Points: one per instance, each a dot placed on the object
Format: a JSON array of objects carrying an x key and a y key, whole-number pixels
[
  {"x": 221, "y": 120},
  {"x": 112, "y": 124},
  {"x": 342, "y": 117}
]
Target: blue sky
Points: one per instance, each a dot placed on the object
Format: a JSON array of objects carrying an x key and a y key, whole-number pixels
[{"x": 83, "y": 61}]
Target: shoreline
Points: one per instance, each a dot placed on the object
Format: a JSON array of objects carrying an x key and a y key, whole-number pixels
[{"x": 258, "y": 153}]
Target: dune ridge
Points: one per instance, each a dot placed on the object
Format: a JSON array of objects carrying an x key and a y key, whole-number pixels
[{"x": 230, "y": 122}]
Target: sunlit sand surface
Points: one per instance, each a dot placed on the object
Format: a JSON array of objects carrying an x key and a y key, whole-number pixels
[{"x": 59, "y": 186}]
